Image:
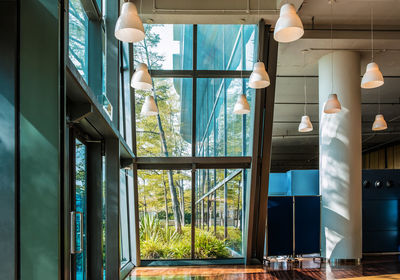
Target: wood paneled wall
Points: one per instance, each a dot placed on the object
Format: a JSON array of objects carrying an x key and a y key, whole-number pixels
[{"x": 383, "y": 158}]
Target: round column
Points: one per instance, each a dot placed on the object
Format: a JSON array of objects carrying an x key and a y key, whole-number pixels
[{"x": 340, "y": 157}]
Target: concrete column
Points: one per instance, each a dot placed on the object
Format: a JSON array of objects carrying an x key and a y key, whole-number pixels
[{"x": 340, "y": 157}]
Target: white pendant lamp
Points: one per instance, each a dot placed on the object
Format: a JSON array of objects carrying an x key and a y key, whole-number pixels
[
  {"x": 379, "y": 123},
  {"x": 129, "y": 27},
  {"x": 332, "y": 106},
  {"x": 259, "y": 77},
  {"x": 149, "y": 107},
  {"x": 373, "y": 77},
  {"x": 242, "y": 107},
  {"x": 141, "y": 79},
  {"x": 289, "y": 27},
  {"x": 305, "y": 124}
]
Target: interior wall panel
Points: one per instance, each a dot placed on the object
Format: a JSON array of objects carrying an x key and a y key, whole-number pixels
[
  {"x": 40, "y": 138},
  {"x": 8, "y": 199}
]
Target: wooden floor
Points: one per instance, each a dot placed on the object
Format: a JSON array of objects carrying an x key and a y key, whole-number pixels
[{"x": 387, "y": 267}]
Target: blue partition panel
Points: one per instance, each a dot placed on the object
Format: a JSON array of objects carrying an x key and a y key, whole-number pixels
[
  {"x": 304, "y": 182},
  {"x": 307, "y": 224},
  {"x": 381, "y": 208},
  {"x": 280, "y": 226},
  {"x": 279, "y": 184}
]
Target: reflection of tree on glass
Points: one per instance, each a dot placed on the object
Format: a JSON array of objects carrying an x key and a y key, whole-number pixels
[
  {"x": 77, "y": 49},
  {"x": 80, "y": 206}
]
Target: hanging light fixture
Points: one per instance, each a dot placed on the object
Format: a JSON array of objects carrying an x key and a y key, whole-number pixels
[
  {"x": 373, "y": 77},
  {"x": 149, "y": 107},
  {"x": 305, "y": 124},
  {"x": 289, "y": 27},
  {"x": 141, "y": 79},
  {"x": 129, "y": 26},
  {"x": 242, "y": 107},
  {"x": 259, "y": 77},
  {"x": 379, "y": 123},
  {"x": 332, "y": 105}
]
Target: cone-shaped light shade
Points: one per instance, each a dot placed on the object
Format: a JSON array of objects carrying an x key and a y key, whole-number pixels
[
  {"x": 149, "y": 107},
  {"x": 373, "y": 77},
  {"x": 289, "y": 27},
  {"x": 379, "y": 123},
  {"x": 259, "y": 77},
  {"x": 332, "y": 106},
  {"x": 129, "y": 27},
  {"x": 305, "y": 124},
  {"x": 242, "y": 106},
  {"x": 141, "y": 78}
]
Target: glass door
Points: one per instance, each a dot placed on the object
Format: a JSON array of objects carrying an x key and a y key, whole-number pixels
[{"x": 79, "y": 210}]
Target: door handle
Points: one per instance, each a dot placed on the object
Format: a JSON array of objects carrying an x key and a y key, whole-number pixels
[{"x": 73, "y": 215}]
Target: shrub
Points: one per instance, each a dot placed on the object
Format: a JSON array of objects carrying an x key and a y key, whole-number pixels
[{"x": 159, "y": 242}]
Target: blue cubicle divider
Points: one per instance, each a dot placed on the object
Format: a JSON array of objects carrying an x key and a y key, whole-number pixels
[
  {"x": 279, "y": 184},
  {"x": 307, "y": 224},
  {"x": 305, "y": 218},
  {"x": 304, "y": 182},
  {"x": 381, "y": 208},
  {"x": 294, "y": 182},
  {"x": 280, "y": 226}
]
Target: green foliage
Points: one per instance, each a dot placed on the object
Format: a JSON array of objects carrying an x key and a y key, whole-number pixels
[
  {"x": 158, "y": 242},
  {"x": 208, "y": 245}
]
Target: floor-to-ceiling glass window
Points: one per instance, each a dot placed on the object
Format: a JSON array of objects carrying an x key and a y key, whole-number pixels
[
  {"x": 198, "y": 72},
  {"x": 79, "y": 207}
]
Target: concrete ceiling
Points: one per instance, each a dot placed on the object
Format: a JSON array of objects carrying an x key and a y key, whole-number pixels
[{"x": 294, "y": 150}]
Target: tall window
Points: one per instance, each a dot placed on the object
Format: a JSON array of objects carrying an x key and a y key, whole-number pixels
[
  {"x": 78, "y": 37},
  {"x": 198, "y": 72}
]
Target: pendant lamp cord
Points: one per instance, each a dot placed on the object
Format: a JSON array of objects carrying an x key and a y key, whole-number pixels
[
  {"x": 372, "y": 33},
  {"x": 379, "y": 100},
  {"x": 332, "y": 44},
  {"x": 305, "y": 84},
  {"x": 241, "y": 59}
]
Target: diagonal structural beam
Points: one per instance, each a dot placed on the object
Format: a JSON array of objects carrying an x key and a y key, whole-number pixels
[{"x": 263, "y": 123}]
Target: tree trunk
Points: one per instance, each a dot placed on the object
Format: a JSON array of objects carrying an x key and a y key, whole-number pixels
[
  {"x": 238, "y": 207},
  {"x": 166, "y": 203},
  {"x": 174, "y": 197},
  {"x": 182, "y": 204}
]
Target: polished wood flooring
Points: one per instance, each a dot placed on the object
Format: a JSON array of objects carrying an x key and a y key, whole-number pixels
[{"x": 385, "y": 267}]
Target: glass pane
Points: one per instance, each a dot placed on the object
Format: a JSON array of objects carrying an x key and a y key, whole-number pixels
[
  {"x": 222, "y": 47},
  {"x": 103, "y": 62},
  {"x": 127, "y": 94},
  {"x": 169, "y": 133},
  {"x": 125, "y": 254},
  {"x": 166, "y": 47},
  {"x": 165, "y": 214},
  {"x": 78, "y": 37},
  {"x": 220, "y": 132},
  {"x": 219, "y": 213},
  {"x": 104, "y": 221},
  {"x": 80, "y": 207}
]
